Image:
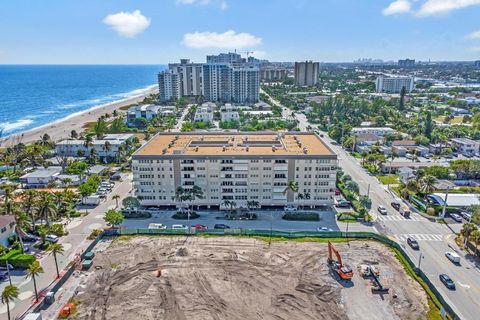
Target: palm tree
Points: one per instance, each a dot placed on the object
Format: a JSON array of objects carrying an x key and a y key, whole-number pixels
[
  {"x": 29, "y": 200},
  {"x": 300, "y": 197},
  {"x": 195, "y": 193},
  {"x": 88, "y": 141},
  {"x": 46, "y": 206},
  {"x": 427, "y": 184},
  {"x": 8, "y": 199},
  {"x": 292, "y": 186},
  {"x": 33, "y": 271},
  {"x": 467, "y": 230},
  {"x": 73, "y": 134},
  {"x": 180, "y": 195},
  {"x": 56, "y": 248},
  {"x": 116, "y": 197},
  {"x": 8, "y": 294},
  {"x": 107, "y": 147}
]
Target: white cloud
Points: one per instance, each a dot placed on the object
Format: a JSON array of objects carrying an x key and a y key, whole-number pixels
[
  {"x": 259, "y": 54},
  {"x": 222, "y": 3},
  {"x": 397, "y": 7},
  {"x": 227, "y": 40},
  {"x": 473, "y": 35},
  {"x": 127, "y": 24},
  {"x": 438, "y": 7}
]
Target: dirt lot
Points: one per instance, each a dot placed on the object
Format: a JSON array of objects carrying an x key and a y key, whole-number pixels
[{"x": 241, "y": 278}]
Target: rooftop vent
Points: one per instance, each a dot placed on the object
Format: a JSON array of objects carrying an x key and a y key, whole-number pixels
[
  {"x": 274, "y": 148},
  {"x": 196, "y": 149},
  {"x": 164, "y": 151},
  {"x": 224, "y": 149},
  {"x": 247, "y": 149},
  {"x": 305, "y": 150}
]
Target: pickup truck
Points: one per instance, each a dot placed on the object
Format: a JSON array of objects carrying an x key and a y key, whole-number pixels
[{"x": 405, "y": 211}]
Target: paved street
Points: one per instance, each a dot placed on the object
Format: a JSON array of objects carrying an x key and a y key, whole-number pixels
[
  {"x": 265, "y": 220},
  {"x": 74, "y": 242},
  {"x": 467, "y": 276}
]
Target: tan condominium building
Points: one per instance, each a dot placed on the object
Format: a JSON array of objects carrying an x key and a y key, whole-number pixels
[{"x": 237, "y": 167}]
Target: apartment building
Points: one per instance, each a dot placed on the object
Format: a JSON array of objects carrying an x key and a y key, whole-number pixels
[
  {"x": 229, "y": 112},
  {"x": 306, "y": 73},
  {"x": 168, "y": 86},
  {"x": 189, "y": 77},
  {"x": 75, "y": 147},
  {"x": 394, "y": 84},
  {"x": 406, "y": 63},
  {"x": 465, "y": 146},
  {"x": 273, "y": 74},
  {"x": 237, "y": 167},
  {"x": 225, "y": 58}
]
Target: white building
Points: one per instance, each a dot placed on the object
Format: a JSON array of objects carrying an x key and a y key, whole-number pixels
[
  {"x": 465, "y": 146},
  {"x": 168, "y": 86},
  {"x": 105, "y": 148},
  {"x": 237, "y": 167},
  {"x": 225, "y": 58},
  {"x": 7, "y": 228},
  {"x": 273, "y": 74},
  {"x": 146, "y": 111},
  {"x": 380, "y": 131},
  {"x": 204, "y": 113},
  {"x": 229, "y": 112},
  {"x": 40, "y": 177},
  {"x": 394, "y": 84}
]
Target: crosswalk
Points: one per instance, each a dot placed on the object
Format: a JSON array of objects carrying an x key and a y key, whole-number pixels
[
  {"x": 419, "y": 237},
  {"x": 397, "y": 218}
]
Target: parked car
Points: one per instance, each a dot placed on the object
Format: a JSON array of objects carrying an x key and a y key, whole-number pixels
[
  {"x": 456, "y": 217},
  {"x": 466, "y": 215},
  {"x": 221, "y": 226},
  {"x": 324, "y": 229},
  {"x": 396, "y": 205},
  {"x": 452, "y": 256},
  {"x": 199, "y": 227},
  {"x": 343, "y": 204},
  {"x": 382, "y": 210},
  {"x": 447, "y": 281},
  {"x": 413, "y": 243},
  {"x": 157, "y": 226},
  {"x": 51, "y": 238},
  {"x": 179, "y": 227},
  {"x": 337, "y": 192},
  {"x": 290, "y": 208},
  {"x": 29, "y": 238}
]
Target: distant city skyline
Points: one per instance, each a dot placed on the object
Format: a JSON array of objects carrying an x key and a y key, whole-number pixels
[{"x": 159, "y": 32}]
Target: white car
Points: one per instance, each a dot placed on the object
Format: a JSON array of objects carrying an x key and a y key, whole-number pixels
[
  {"x": 290, "y": 208},
  {"x": 452, "y": 256},
  {"x": 51, "y": 238},
  {"x": 382, "y": 210},
  {"x": 179, "y": 227},
  {"x": 157, "y": 226},
  {"x": 324, "y": 229}
]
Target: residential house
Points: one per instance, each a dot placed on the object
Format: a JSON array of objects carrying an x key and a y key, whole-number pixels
[
  {"x": 405, "y": 173},
  {"x": 204, "y": 113},
  {"x": 466, "y": 146},
  {"x": 146, "y": 111},
  {"x": 40, "y": 177},
  {"x": 396, "y": 165},
  {"x": 7, "y": 228},
  {"x": 229, "y": 112},
  {"x": 378, "y": 131}
]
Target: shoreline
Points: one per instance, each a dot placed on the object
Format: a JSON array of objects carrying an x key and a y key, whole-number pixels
[{"x": 60, "y": 129}]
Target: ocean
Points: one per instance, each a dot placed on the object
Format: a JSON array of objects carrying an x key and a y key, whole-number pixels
[{"x": 34, "y": 95}]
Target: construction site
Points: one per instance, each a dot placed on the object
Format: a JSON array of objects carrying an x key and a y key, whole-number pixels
[{"x": 246, "y": 278}]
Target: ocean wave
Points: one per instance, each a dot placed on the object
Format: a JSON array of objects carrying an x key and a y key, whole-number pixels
[{"x": 11, "y": 126}]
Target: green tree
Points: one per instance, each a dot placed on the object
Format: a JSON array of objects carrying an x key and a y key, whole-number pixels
[
  {"x": 131, "y": 202},
  {"x": 56, "y": 248},
  {"x": 33, "y": 271},
  {"x": 9, "y": 293},
  {"x": 46, "y": 207},
  {"x": 114, "y": 217},
  {"x": 427, "y": 184},
  {"x": 403, "y": 92},
  {"x": 100, "y": 128},
  {"x": 428, "y": 125},
  {"x": 365, "y": 202},
  {"x": 467, "y": 230}
]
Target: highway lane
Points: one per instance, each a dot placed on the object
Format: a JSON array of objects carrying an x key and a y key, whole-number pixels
[{"x": 465, "y": 299}]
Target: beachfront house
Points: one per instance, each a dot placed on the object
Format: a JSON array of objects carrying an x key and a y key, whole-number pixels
[
  {"x": 78, "y": 148},
  {"x": 40, "y": 177},
  {"x": 7, "y": 228},
  {"x": 229, "y": 112}
]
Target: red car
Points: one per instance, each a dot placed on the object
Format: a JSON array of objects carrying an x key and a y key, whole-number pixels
[
  {"x": 337, "y": 192},
  {"x": 199, "y": 227}
]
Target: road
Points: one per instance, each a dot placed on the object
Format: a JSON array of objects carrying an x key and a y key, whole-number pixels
[
  {"x": 435, "y": 239},
  {"x": 75, "y": 242}
]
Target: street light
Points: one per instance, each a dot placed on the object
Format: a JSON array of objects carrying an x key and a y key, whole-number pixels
[{"x": 420, "y": 260}]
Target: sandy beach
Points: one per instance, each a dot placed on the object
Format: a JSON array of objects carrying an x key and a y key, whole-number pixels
[{"x": 60, "y": 129}]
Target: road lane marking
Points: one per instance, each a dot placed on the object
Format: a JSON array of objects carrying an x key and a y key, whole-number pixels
[
  {"x": 398, "y": 218},
  {"x": 463, "y": 285},
  {"x": 419, "y": 237}
]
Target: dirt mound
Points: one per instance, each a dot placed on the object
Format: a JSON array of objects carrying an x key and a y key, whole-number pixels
[{"x": 239, "y": 278}]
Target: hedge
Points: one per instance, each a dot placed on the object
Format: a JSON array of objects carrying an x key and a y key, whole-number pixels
[
  {"x": 301, "y": 216},
  {"x": 17, "y": 259}
]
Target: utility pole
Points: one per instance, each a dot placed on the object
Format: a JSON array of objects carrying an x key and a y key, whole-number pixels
[
  {"x": 420, "y": 260},
  {"x": 8, "y": 272},
  {"x": 445, "y": 204},
  {"x": 368, "y": 191}
]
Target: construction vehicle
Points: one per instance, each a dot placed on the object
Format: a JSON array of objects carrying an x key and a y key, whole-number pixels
[
  {"x": 343, "y": 270},
  {"x": 368, "y": 271}
]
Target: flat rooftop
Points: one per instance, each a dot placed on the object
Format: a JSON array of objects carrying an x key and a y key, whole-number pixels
[{"x": 233, "y": 144}]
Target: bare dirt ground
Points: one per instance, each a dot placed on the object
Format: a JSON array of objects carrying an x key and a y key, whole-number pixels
[{"x": 241, "y": 278}]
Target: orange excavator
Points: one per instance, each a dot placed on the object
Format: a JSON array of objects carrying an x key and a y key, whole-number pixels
[{"x": 343, "y": 270}]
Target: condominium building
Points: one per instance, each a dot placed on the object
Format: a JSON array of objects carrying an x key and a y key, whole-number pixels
[
  {"x": 477, "y": 63},
  {"x": 394, "y": 84},
  {"x": 237, "y": 167},
  {"x": 107, "y": 147},
  {"x": 466, "y": 146},
  {"x": 306, "y": 73},
  {"x": 225, "y": 58},
  {"x": 223, "y": 82},
  {"x": 168, "y": 86},
  {"x": 273, "y": 74},
  {"x": 406, "y": 63}
]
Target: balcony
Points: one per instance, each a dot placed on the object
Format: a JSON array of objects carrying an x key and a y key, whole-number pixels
[{"x": 278, "y": 167}]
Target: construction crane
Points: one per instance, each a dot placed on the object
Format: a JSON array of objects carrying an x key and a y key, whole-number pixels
[
  {"x": 247, "y": 53},
  {"x": 343, "y": 270}
]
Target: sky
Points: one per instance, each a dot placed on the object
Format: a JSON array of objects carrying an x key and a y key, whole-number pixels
[{"x": 163, "y": 31}]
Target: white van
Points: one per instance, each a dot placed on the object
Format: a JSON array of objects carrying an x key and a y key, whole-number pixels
[
  {"x": 157, "y": 226},
  {"x": 179, "y": 226},
  {"x": 452, "y": 256}
]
